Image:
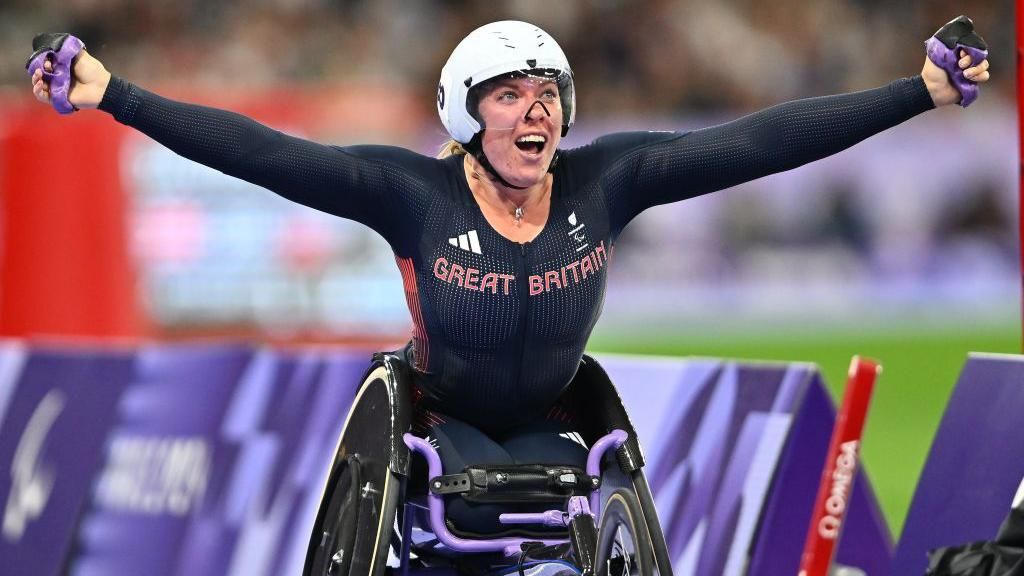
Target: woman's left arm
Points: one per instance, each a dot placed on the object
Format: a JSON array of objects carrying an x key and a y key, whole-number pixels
[{"x": 780, "y": 138}]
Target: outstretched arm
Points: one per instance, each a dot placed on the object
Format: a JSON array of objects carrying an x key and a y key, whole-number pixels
[
  {"x": 776, "y": 139},
  {"x": 353, "y": 183}
]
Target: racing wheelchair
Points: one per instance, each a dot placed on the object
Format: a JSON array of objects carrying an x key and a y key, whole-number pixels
[{"x": 380, "y": 514}]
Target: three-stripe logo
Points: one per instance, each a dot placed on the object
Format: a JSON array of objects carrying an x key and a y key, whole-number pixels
[{"x": 468, "y": 242}]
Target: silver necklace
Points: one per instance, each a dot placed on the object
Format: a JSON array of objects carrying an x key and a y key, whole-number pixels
[{"x": 518, "y": 214}]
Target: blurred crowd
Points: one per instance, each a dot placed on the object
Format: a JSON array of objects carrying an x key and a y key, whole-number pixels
[
  {"x": 655, "y": 56},
  {"x": 918, "y": 215}
]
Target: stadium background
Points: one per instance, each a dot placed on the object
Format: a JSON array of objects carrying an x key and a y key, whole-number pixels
[{"x": 903, "y": 248}]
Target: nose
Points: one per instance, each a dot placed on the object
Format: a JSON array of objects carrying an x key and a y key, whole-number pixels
[{"x": 540, "y": 113}]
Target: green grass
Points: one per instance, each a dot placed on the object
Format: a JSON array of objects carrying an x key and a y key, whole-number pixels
[{"x": 920, "y": 368}]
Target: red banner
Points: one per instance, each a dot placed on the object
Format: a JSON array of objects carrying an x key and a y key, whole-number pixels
[
  {"x": 69, "y": 265},
  {"x": 63, "y": 250}
]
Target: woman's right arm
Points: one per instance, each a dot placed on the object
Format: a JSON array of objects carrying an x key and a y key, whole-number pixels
[{"x": 353, "y": 183}]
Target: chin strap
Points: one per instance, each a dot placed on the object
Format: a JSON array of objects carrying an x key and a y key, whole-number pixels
[{"x": 475, "y": 148}]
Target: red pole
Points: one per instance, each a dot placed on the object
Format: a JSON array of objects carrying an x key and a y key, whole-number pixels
[{"x": 840, "y": 470}]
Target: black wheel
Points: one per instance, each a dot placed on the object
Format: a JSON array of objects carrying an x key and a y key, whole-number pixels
[
  {"x": 623, "y": 544},
  {"x": 351, "y": 533},
  {"x": 334, "y": 551}
]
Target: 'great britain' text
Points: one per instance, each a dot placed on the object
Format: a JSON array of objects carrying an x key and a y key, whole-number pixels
[{"x": 476, "y": 280}]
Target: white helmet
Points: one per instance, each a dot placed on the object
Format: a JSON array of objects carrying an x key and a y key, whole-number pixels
[{"x": 493, "y": 50}]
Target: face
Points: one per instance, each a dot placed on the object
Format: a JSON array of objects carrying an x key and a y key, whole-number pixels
[{"x": 523, "y": 120}]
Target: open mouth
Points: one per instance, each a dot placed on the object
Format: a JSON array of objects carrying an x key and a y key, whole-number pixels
[{"x": 531, "y": 144}]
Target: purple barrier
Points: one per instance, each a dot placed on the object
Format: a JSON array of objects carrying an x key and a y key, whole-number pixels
[
  {"x": 865, "y": 542},
  {"x": 215, "y": 459},
  {"x": 287, "y": 441},
  {"x": 164, "y": 462},
  {"x": 249, "y": 436},
  {"x": 735, "y": 456},
  {"x": 975, "y": 465},
  {"x": 56, "y": 410}
]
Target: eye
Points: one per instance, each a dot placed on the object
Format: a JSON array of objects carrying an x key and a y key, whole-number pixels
[
  {"x": 549, "y": 95},
  {"x": 507, "y": 96}
]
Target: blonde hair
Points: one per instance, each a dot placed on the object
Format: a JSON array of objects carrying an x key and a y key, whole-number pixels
[{"x": 451, "y": 148}]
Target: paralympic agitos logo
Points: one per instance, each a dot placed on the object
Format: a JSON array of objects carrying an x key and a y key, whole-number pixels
[{"x": 31, "y": 480}]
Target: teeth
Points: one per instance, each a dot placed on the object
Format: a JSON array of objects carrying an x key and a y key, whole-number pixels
[{"x": 533, "y": 138}]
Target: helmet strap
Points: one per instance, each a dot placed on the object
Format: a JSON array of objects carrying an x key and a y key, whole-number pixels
[{"x": 476, "y": 148}]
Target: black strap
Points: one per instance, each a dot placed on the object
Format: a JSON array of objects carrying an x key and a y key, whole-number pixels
[
  {"x": 51, "y": 41},
  {"x": 960, "y": 30},
  {"x": 516, "y": 483},
  {"x": 451, "y": 484},
  {"x": 538, "y": 551},
  {"x": 476, "y": 149}
]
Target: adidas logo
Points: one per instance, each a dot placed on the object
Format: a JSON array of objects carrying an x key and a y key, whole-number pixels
[{"x": 468, "y": 242}]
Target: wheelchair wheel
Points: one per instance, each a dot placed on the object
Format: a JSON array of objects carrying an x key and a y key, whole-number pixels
[
  {"x": 623, "y": 544},
  {"x": 333, "y": 556},
  {"x": 352, "y": 532}
]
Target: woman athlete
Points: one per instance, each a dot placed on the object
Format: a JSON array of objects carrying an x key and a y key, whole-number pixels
[{"x": 504, "y": 241}]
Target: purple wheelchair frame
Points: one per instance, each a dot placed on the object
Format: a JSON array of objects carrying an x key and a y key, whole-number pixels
[
  {"x": 511, "y": 546},
  {"x": 380, "y": 421}
]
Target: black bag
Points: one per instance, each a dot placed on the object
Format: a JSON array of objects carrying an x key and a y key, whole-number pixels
[{"x": 1003, "y": 556}]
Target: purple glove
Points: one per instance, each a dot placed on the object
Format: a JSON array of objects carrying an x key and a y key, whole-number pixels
[
  {"x": 944, "y": 51},
  {"x": 61, "y": 50}
]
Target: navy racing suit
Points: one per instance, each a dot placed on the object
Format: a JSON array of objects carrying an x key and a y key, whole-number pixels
[{"x": 499, "y": 327}]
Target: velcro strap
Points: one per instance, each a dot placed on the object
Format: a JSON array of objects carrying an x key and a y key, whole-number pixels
[{"x": 520, "y": 483}]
